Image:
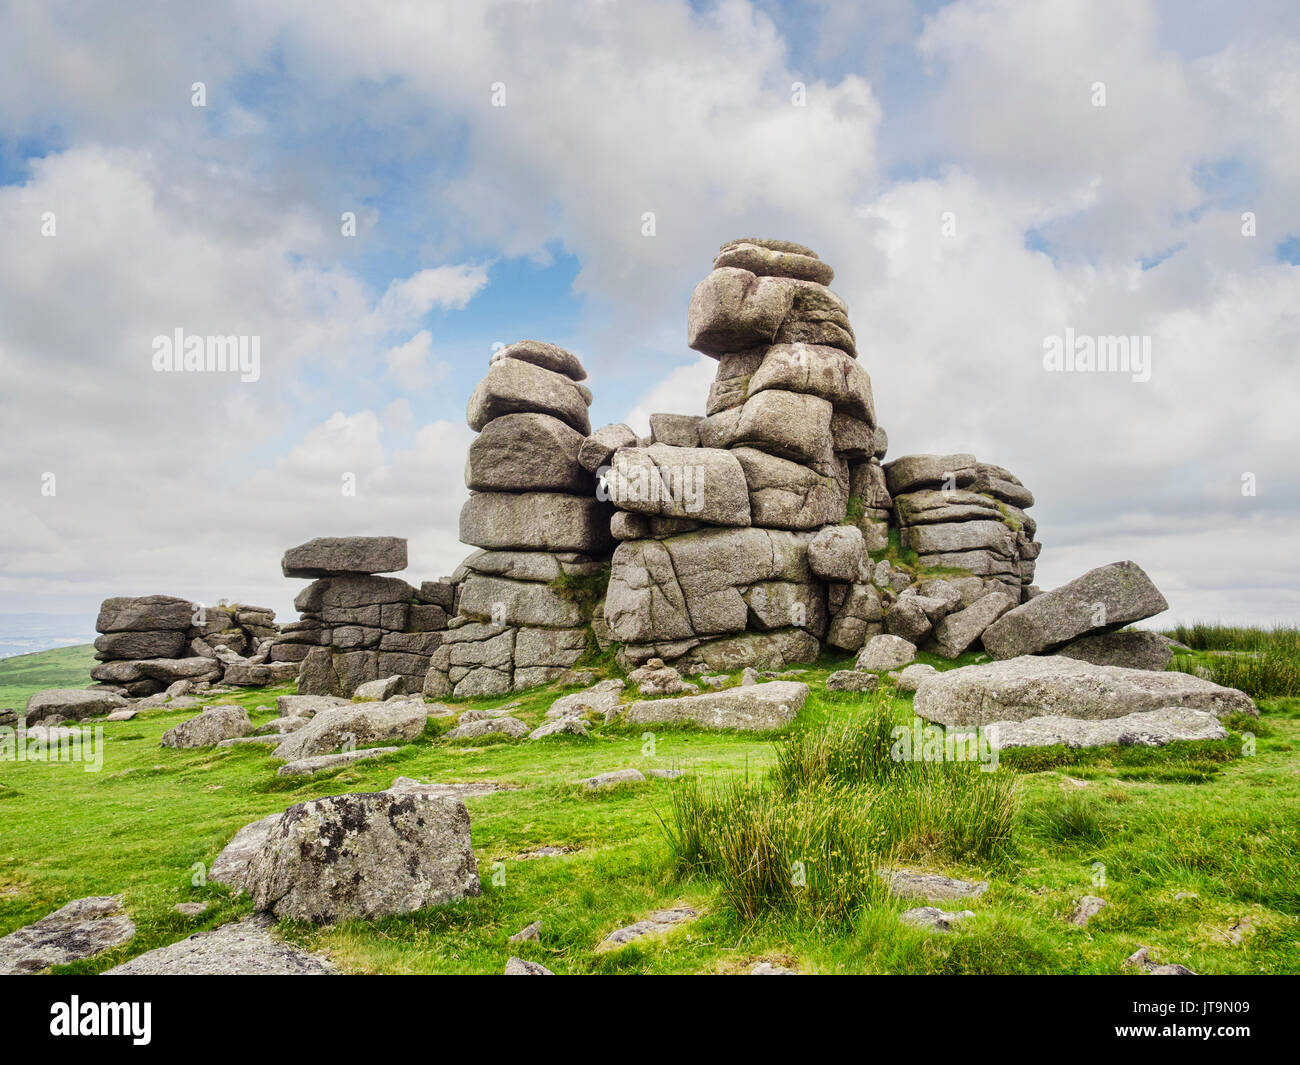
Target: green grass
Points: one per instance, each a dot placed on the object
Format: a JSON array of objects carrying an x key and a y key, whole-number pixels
[
  {"x": 25, "y": 675},
  {"x": 1261, "y": 662},
  {"x": 1205, "y": 821}
]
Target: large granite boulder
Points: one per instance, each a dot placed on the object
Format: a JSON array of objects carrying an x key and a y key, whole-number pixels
[
  {"x": 354, "y": 725},
  {"x": 886, "y": 652},
  {"x": 145, "y": 613},
  {"x": 364, "y": 856},
  {"x": 1146, "y": 728},
  {"x": 1032, "y": 686},
  {"x": 597, "y": 449},
  {"x": 1133, "y": 650},
  {"x": 512, "y": 386},
  {"x": 536, "y": 521},
  {"x": 734, "y": 309},
  {"x": 758, "y": 258},
  {"x": 329, "y": 555},
  {"x": 547, "y": 356},
  {"x": 215, "y": 724},
  {"x": 753, "y": 707},
  {"x": 71, "y": 704},
  {"x": 701, "y": 484},
  {"x": 165, "y": 643},
  {"x": 958, "y": 631},
  {"x": 818, "y": 371},
  {"x": 527, "y": 453},
  {"x": 837, "y": 553},
  {"x": 1102, "y": 600}
]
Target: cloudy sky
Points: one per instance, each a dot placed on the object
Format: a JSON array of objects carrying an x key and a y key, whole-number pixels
[{"x": 982, "y": 175}]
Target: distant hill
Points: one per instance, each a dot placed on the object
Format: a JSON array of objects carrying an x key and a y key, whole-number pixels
[
  {"x": 22, "y": 634},
  {"x": 60, "y": 667}
]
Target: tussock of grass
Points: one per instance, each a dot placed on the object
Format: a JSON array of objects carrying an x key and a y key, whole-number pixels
[
  {"x": 1260, "y": 662},
  {"x": 836, "y": 807}
]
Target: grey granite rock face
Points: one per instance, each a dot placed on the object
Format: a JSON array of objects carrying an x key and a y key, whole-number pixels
[
  {"x": 1102, "y": 600},
  {"x": 733, "y": 309},
  {"x": 547, "y": 356},
  {"x": 146, "y": 613},
  {"x": 527, "y": 452},
  {"x": 958, "y": 631},
  {"x": 1027, "y": 687}
]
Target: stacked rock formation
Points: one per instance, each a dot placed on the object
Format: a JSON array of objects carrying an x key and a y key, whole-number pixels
[
  {"x": 356, "y": 626},
  {"x": 150, "y": 642},
  {"x": 958, "y": 513},
  {"x": 525, "y": 600},
  {"x": 747, "y": 535},
  {"x": 716, "y": 513}
]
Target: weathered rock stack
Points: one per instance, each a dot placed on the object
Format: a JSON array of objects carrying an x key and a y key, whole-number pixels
[
  {"x": 525, "y": 601},
  {"x": 356, "y": 626},
  {"x": 717, "y": 513},
  {"x": 958, "y": 513},
  {"x": 150, "y": 642},
  {"x": 746, "y": 535}
]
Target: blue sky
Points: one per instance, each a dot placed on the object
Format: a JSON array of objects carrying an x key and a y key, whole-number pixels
[{"x": 479, "y": 225}]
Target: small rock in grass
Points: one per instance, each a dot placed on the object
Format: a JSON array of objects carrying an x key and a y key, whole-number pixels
[
  {"x": 520, "y": 967},
  {"x": 532, "y": 932},
  {"x": 1089, "y": 906},
  {"x": 934, "y": 918}
]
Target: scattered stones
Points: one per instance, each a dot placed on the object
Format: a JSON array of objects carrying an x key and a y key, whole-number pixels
[
  {"x": 80, "y": 929},
  {"x": 1088, "y": 908},
  {"x": 122, "y": 715},
  {"x": 851, "y": 680},
  {"x": 1021, "y": 688},
  {"x": 657, "y": 923},
  {"x": 363, "y": 856},
  {"x": 215, "y": 724},
  {"x": 241, "y": 948},
  {"x": 757, "y": 707},
  {"x": 932, "y": 886},
  {"x": 886, "y": 652},
  {"x": 306, "y": 767},
  {"x": 933, "y": 918},
  {"x": 521, "y": 967},
  {"x": 617, "y": 776},
  {"x": 1149, "y": 728},
  {"x": 191, "y": 909}
]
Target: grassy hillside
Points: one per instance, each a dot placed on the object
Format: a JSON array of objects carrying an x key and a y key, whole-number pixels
[
  {"x": 61, "y": 667},
  {"x": 1195, "y": 847}
]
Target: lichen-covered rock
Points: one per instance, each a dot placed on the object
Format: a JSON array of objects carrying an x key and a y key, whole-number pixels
[
  {"x": 1132, "y": 650},
  {"x": 536, "y": 521},
  {"x": 527, "y": 452},
  {"x": 547, "y": 356},
  {"x": 80, "y": 929},
  {"x": 364, "y": 856},
  {"x": 837, "y": 553},
  {"x": 734, "y": 309},
  {"x": 145, "y": 613}
]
